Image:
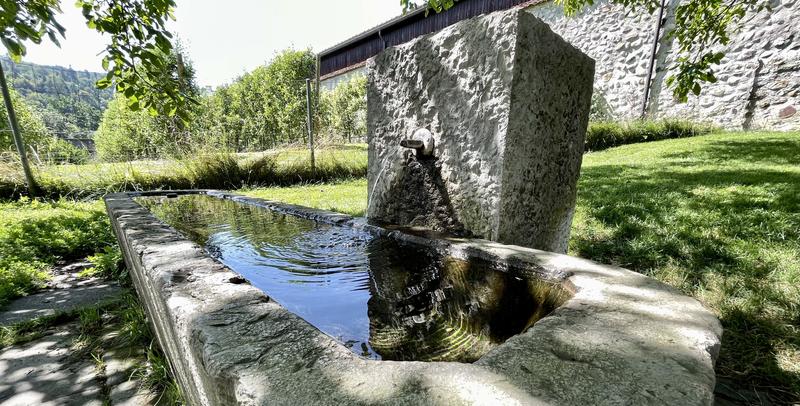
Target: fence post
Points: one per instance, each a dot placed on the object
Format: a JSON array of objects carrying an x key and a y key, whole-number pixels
[
  {"x": 15, "y": 132},
  {"x": 310, "y": 125}
]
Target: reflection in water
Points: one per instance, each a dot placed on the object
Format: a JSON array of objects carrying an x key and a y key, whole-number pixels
[{"x": 381, "y": 298}]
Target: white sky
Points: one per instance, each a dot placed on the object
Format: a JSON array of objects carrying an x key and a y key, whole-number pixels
[{"x": 227, "y": 38}]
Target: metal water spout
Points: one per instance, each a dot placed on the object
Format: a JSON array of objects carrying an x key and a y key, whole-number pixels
[{"x": 421, "y": 141}]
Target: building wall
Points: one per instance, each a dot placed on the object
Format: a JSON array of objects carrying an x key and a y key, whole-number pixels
[{"x": 758, "y": 81}]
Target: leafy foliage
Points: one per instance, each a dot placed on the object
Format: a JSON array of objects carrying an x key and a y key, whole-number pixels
[
  {"x": 30, "y": 121},
  {"x": 139, "y": 45},
  {"x": 68, "y": 100},
  {"x": 701, "y": 28},
  {"x": 108, "y": 264},
  {"x": 34, "y": 235},
  {"x": 263, "y": 108},
  {"x": 125, "y": 134},
  {"x": 28, "y": 20},
  {"x": 138, "y": 53},
  {"x": 344, "y": 109},
  {"x": 128, "y": 133}
]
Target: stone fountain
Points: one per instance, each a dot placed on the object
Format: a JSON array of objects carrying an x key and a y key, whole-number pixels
[
  {"x": 497, "y": 109},
  {"x": 476, "y": 136}
]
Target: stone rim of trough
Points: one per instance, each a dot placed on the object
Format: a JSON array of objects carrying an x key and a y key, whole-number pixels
[{"x": 621, "y": 338}]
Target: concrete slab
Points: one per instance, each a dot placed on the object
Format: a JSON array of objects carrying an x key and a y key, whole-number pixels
[{"x": 44, "y": 372}]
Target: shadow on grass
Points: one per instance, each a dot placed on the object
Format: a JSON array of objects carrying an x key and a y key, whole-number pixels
[{"x": 721, "y": 229}]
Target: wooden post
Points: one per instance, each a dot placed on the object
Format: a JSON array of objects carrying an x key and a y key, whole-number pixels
[
  {"x": 20, "y": 144},
  {"x": 310, "y": 125}
]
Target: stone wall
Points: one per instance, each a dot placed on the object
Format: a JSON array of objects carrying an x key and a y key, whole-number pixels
[
  {"x": 758, "y": 82},
  {"x": 759, "y": 79}
]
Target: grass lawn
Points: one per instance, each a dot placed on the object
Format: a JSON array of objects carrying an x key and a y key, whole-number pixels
[
  {"x": 347, "y": 196},
  {"x": 716, "y": 216}
]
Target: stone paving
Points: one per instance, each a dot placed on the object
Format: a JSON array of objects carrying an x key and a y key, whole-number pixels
[
  {"x": 66, "y": 291},
  {"x": 51, "y": 370}
]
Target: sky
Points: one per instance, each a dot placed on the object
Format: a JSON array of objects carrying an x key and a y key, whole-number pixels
[{"x": 227, "y": 38}]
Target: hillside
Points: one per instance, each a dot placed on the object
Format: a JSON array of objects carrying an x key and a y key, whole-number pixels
[{"x": 70, "y": 103}]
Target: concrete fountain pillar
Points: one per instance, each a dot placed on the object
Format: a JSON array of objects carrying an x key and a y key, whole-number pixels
[{"x": 505, "y": 102}]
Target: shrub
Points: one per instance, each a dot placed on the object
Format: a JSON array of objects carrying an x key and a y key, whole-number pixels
[
  {"x": 56, "y": 150},
  {"x": 605, "y": 134}
]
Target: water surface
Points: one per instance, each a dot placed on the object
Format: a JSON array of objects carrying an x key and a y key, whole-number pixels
[{"x": 381, "y": 298}]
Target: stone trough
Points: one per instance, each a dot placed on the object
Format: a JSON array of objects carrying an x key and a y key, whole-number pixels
[{"x": 620, "y": 338}]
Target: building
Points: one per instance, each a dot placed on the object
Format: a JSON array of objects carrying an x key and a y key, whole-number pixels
[{"x": 758, "y": 83}]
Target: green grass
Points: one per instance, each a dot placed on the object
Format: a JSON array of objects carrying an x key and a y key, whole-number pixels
[
  {"x": 34, "y": 235},
  {"x": 206, "y": 170},
  {"x": 717, "y": 216},
  {"x": 607, "y": 134},
  {"x": 349, "y": 196}
]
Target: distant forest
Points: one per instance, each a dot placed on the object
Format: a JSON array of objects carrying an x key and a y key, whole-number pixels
[{"x": 69, "y": 102}]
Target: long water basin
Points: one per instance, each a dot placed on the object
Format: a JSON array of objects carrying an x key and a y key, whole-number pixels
[{"x": 380, "y": 297}]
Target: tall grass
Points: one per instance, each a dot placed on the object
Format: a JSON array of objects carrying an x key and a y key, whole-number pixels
[{"x": 212, "y": 170}]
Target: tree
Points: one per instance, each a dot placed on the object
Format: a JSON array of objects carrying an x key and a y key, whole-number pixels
[
  {"x": 345, "y": 108},
  {"x": 127, "y": 133},
  {"x": 30, "y": 122},
  {"x": 139, "y": 42},
  {"x": 700, "y": 27},
  {"x": 262, "y": 108}
]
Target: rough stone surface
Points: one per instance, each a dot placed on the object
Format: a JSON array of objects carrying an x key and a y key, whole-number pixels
[
  {"x": 759, "y": 77},
  {"x": 507, "y": 101},
  {"x": 621, "y": 339}
]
